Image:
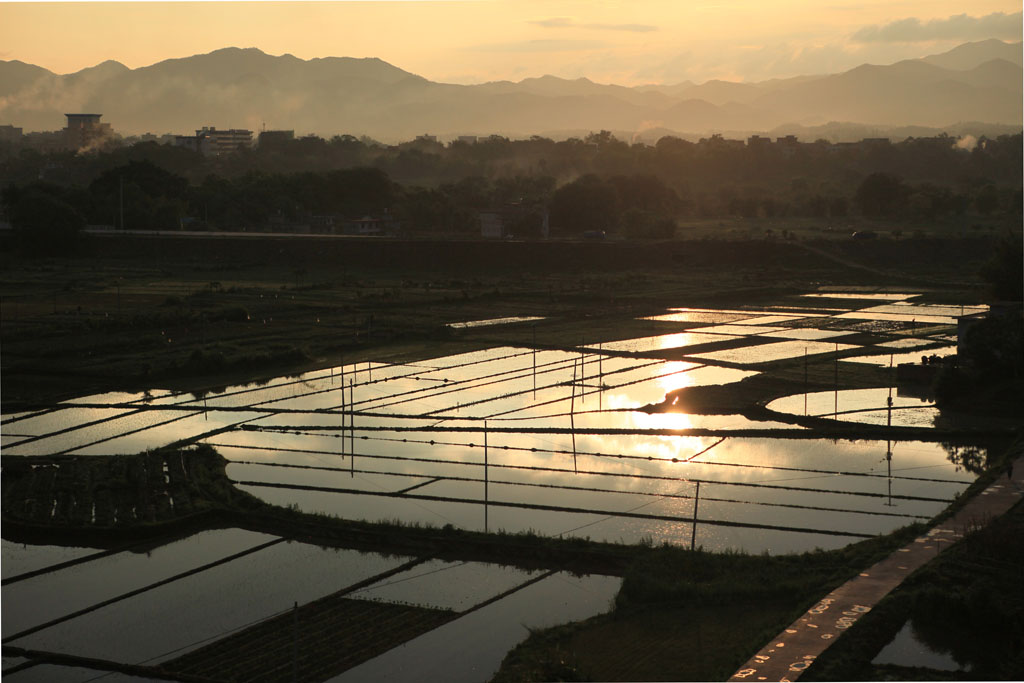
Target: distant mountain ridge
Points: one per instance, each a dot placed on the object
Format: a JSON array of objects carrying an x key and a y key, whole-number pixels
[{"x": 247, "y": 88}]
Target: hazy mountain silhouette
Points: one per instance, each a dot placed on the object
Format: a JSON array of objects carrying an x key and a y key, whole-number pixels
[
  {"x": 247, "y": 88},
  {"x": 970, "y": 55}
]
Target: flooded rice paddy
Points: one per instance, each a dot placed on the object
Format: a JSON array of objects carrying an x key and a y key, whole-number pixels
[
  {"x": 561, "y": 442},
  {"x": 161, "y": 604}
]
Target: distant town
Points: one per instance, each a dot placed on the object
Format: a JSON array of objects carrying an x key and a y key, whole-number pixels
[{"x": 85, "y": 132}]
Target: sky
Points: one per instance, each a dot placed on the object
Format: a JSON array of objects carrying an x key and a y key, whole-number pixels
[{"x": 629, "y": 42}]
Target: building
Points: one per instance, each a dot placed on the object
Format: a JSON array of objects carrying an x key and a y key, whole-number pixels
[
  {"x": 756, "y": 141},
  {"x": 10, "y": 134},
  {"x": 211, "y": 141},
  {"x": 515, "y": 219},
  {"x": 717, "y": 142},
  {"x": 187, "y": 141},
  {"x": 492, "y": 225},
  {"x": 379, "y": 226},
  {"x": 84, "y": 130},
  {"x": 467, "y": 139}
]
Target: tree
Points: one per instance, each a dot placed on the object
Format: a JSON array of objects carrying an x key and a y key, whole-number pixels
[
  {"x": 1005, "y": 272},
  {"x": 147, "y": 196},
  {"x": 879, "y": 195},
  {"x": 43, "y": 222},
  {"x": 587, "y": 203}
]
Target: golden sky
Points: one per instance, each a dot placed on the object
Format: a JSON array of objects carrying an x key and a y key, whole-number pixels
[{"x": 472, "y": 41}]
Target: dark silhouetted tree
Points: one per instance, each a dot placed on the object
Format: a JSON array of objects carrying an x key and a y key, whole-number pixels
[
  {"x": 879, "y": 195},
  {"x": 587, "y": 203},
  {"x": 44, "y": 223}
]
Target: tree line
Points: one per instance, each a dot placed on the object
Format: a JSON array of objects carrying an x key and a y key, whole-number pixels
[{"x": 595, "y": 183}]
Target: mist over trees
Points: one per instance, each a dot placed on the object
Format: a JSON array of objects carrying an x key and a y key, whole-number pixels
[{"x": 597, "y": 183}]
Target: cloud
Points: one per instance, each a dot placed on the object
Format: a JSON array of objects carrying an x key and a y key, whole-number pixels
[
  {"x": 566, "y": 22},
  {"x": 543, "y": 46},
  {"x": 956, "y": 27}
]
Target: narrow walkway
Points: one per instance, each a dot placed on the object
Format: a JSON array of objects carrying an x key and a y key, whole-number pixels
[{"x": 789, "y": 654}]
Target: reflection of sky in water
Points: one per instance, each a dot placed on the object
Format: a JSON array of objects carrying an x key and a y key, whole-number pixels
[
  {"x": 494, "y": 321},
  {"x": 740, "y": 330},
  {"x": 180, "y": 614},
  {"x": 472, "y": 647},
  {"x": 806, "y": 333},
  {"x": 460, "y": 586},
  {"x": 619, "y": 473},
  {"x": 903, "y": 308},
  {"x": 906, "y": 343},
  {"x": 763, "y": 353},
  {"x": 19, "y": 558},
  {"x": 41, "y": 598},
  {"x": 870, "y": 405},
  {"x": 698, "y": 317},
  {"x": 920, "y": 318},
  {"x": 665, "y": 341},
  {"x": 906, "y": 649},
  {"x": 861, "y": 295},
  {"x": 897, "y": 358}
]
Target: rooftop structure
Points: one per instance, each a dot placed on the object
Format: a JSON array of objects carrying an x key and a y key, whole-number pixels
[{"x": 84, "y": 129}]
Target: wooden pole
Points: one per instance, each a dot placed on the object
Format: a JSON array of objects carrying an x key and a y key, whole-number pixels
[
  {"x": 805, "y": 381},
  {"x": 583, "y": 377},
  {"x": 485, "y": 478},
  {"x": 835, "y": 383},
  {"x": 352, "y": 428},
  {"x": 572, "y": 416},
  {"x": 693, "y": 534}
]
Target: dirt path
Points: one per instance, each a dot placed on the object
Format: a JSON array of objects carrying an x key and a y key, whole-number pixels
[{"x": 791, "y": 652}]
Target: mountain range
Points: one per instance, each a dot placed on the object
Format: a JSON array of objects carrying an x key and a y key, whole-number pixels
[{"x": 247, "y": 88}]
